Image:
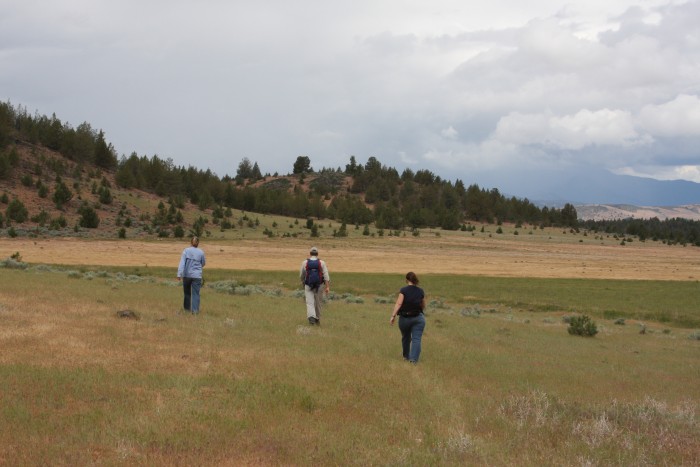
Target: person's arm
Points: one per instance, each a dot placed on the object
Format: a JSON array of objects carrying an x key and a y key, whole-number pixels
[
  {"x": 397, "y": 307},
  {"x": 204, "y": 259},
  {"x": 181, "y": 266},
  {"x": 326, "y": 277},
  {"x": 302, "y": 272}
]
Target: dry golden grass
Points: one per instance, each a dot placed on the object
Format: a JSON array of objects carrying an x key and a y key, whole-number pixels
[{"x": 548, "y": 254}]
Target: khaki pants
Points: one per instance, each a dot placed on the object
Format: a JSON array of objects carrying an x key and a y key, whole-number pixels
[{"x": 314, "y": 299}]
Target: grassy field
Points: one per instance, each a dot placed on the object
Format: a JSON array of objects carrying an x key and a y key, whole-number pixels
[{"x": 500, "y": 381}]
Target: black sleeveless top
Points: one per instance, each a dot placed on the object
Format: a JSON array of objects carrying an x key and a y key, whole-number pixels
[{"x": 412, "y": 298}]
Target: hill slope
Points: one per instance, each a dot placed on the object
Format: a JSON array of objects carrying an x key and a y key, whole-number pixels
[{"x": 626, "y": 211}]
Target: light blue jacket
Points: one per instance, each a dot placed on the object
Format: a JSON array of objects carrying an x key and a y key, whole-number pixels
[{"x": 191, "y": 263}]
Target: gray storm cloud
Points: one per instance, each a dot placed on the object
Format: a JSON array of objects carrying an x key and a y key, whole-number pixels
[{"x": 428, "y": 85}]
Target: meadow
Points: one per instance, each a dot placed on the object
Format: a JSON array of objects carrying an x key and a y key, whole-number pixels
[{"x": 248, "y": 382}]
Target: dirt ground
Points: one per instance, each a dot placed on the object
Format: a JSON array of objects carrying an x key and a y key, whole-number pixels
[{"x": 455, "y": 255}]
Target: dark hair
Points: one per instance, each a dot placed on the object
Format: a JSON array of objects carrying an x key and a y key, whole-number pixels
[{"x": 412, "y": 278}]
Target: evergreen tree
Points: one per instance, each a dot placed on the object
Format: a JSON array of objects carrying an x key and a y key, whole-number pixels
[
  {"x": 62, "y": 194},
  {"x": 16, "y": 211},
  {"x": 88, "y": 217},
  {"x": 255, "y": 174},
  {"x": 245, "y": 171},
  {"x": 302, "y": 165},
  {"x": 104, "y": 155}
]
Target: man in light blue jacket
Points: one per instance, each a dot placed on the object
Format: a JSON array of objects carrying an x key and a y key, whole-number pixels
[{"x": 190, "y": 272}]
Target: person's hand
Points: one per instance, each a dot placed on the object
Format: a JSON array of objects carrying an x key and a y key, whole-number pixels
[
  {"x": 393, "y": 318},
  {"x": 328, "y": 289},
  {"x": 179, "y": 279}
]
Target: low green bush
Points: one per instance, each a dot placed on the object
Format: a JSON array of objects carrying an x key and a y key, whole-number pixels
[{"x": 582, "y": 326}]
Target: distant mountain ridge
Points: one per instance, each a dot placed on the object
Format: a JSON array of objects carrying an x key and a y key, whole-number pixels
[
  {"x": 556, "y": 186},
  {"x": 599, "y": 212}
]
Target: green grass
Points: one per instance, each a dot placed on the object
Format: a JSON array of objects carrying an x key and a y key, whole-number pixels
[
  {"x": 672, "y": 302},
  {"x": 248, "y": 382}
]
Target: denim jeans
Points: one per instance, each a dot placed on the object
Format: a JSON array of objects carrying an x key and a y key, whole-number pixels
[
  {"x": 411, "y": 332},
  {"x": 191, "y": 287}
]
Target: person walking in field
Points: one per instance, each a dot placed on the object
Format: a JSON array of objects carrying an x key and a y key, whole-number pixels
[
  {"x": 316, "y": 279},
  {"x": 190, "y": 273},
  {"x": 409, "y": 306}
]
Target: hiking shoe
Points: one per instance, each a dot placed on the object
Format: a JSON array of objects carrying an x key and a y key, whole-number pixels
[{"x": 312, "y": 320}]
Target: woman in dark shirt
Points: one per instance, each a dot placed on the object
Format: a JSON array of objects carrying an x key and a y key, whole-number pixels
[{"x": 409, "y": 306}]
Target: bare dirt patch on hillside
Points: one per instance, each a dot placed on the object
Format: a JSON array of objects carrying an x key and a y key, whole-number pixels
[{"x": 451, "y": 255}]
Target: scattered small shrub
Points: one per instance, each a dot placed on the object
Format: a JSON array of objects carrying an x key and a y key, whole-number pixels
[
  {"x": 88, "y": 217},
  {"x": 16, "y": 211},
  {"x": 354, "y": 299},
  {"x": 582, "y": 326},
  {"x": 58, "y": 223},
  {"x": 11, "y": 263},
  {"x": 438, "y": 303},
  {"x": 620, "y": 321}
]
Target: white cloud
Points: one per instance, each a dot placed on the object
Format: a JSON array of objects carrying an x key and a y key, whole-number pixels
[
  {"x": 679, "y": 117},
  {"x": 680, "y": 172},
  {"x": 449, "y": 133},
  {"x": 585, "y": 128}
]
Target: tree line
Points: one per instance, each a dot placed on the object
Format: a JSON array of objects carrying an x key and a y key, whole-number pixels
[
  {"x": 377, "y": 194},
  {"x": 671, "y": 231},
  {"x": 83, "y": 144}
]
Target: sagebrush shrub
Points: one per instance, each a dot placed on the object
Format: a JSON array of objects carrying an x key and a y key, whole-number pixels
[{"x": 582, "y": 326}]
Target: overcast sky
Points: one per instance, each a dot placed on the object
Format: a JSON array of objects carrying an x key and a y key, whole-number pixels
[{"x": 482, "y": 93}]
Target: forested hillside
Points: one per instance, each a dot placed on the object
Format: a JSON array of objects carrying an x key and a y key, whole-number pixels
[
  {"x": 59, "y": 163},
  {"x": 359, "y": 194}
]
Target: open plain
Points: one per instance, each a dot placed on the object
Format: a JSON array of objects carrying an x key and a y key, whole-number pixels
[
  {"x": 249, "y": 382},
  {"x": 544, "y": 255}
]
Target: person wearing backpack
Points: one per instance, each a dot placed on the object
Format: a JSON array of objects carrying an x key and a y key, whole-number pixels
[
  {"x": 409, "y": 306},
  {"x": 316, "y": 279}
]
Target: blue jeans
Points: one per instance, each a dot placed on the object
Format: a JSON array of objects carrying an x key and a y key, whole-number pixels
[
  {"x": 191, "y": 287},
  {"x": 411, "y": 332}
]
